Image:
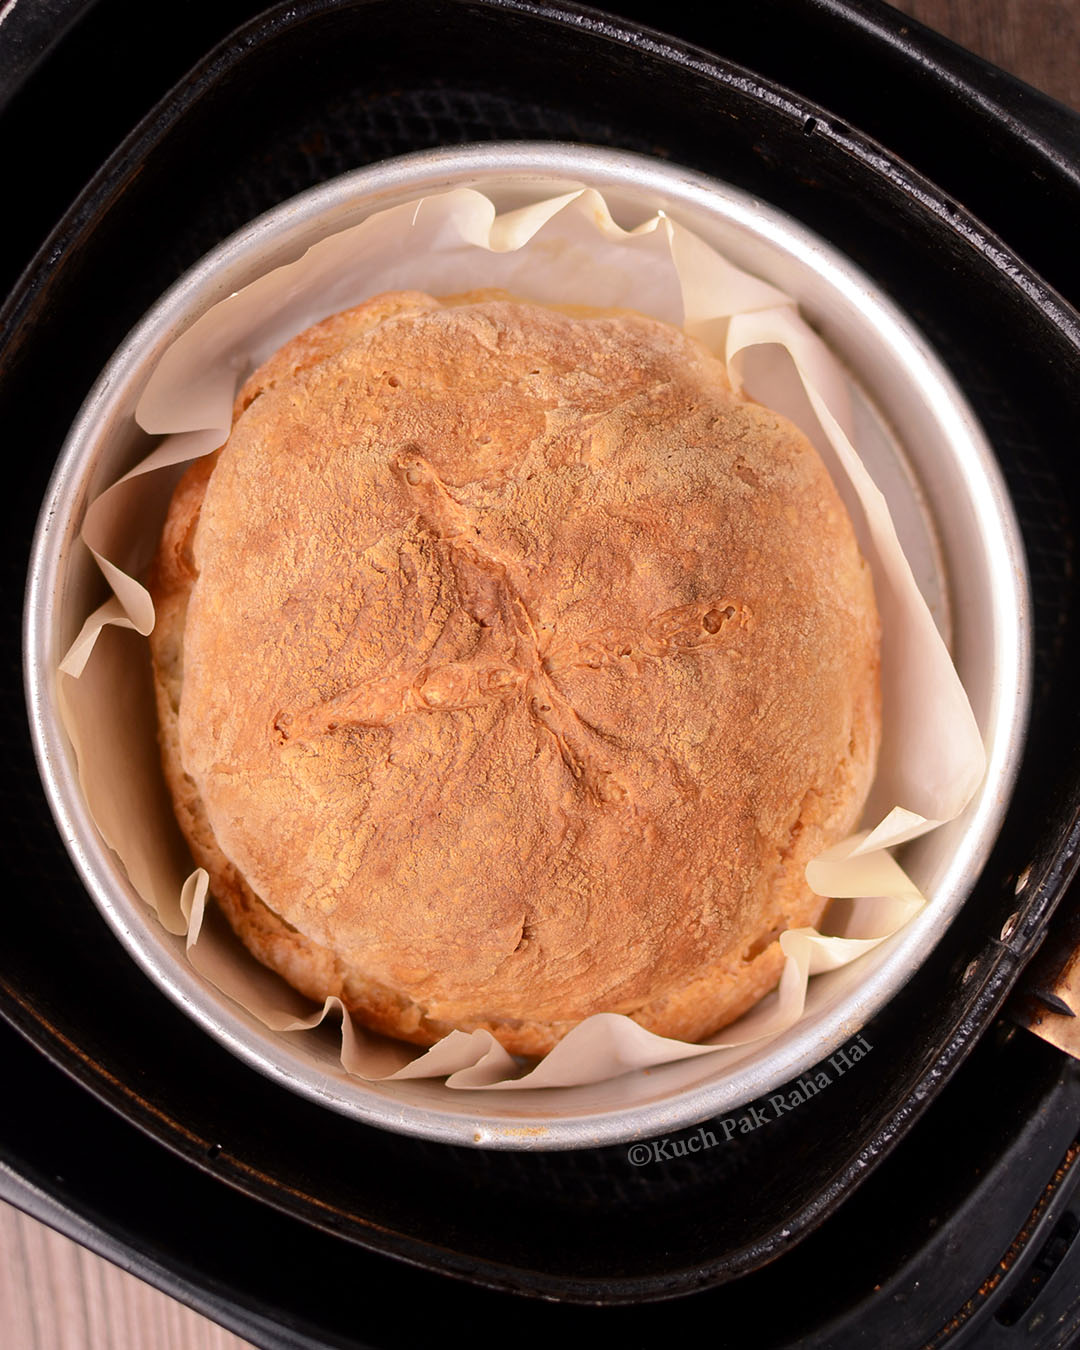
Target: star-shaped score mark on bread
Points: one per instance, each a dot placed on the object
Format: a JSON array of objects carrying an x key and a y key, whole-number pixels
[{"x": 537, "y": 653}]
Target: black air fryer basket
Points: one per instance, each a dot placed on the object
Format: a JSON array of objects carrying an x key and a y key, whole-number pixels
[{"x": 929, "y": 1198}]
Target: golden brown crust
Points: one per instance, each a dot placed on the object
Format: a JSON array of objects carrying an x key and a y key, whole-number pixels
[{"x": 526, "y": 667}]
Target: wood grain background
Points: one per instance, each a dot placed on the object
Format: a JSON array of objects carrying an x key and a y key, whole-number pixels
[{"x": 54, "y": 1295}]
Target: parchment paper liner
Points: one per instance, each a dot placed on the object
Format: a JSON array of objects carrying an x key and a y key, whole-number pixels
[{"x": 568, "y": 249}]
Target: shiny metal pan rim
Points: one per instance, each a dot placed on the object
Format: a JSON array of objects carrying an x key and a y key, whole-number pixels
[{"x": 955, "y": 504}]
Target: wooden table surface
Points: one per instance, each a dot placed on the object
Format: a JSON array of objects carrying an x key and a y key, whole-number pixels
[{"x": 54, "y": 1295}]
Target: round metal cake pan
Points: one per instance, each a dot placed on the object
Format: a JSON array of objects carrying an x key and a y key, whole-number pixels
[{"x": 920, "y": 441}]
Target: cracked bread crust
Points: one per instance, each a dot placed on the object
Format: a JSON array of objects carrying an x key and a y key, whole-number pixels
[{"x": 510, "y": 668}]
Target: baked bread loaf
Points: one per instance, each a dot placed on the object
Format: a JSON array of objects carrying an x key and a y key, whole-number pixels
[{"x": 510, "y": 668}]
